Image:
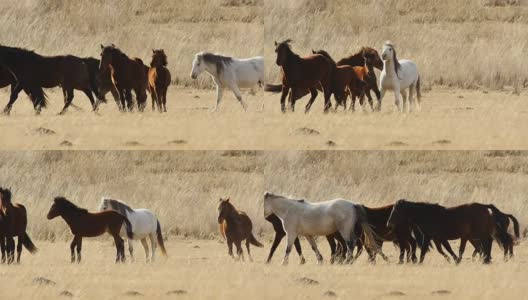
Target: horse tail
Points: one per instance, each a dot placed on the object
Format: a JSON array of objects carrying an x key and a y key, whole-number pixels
[
  {"x": 515, "y": 225},
  {"x": 254, "y": 241},
  {"x": 501, "y": 234},
  {"x": 28, "y": 244},
  {"x": 160, "y": 239},
  {"x": 418, "y": 90},
  {"x": 128, "y": 226},
  {"x": 273, "y": 88},
  {"x": 368, "y": 232},
  {"x": 498, "y": 216}
]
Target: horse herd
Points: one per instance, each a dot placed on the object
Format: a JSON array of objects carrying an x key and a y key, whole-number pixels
[
  {"x": 121, "y": 75},
  {"x": 345, "y": 224}
]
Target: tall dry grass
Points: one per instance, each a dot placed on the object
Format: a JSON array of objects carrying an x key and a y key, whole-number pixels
[
  {"x": 457, "y": 43},
  {"x": 182, "y": 28},
  {"x": 183, "y": 187}
]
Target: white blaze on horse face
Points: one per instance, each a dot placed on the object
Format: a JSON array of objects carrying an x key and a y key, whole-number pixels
[{"x": 197, "y": 66}]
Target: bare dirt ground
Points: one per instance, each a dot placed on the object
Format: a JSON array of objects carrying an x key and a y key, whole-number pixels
[
  {"x": 201, "y": 269},
  {"x": 448, "y": 119}
]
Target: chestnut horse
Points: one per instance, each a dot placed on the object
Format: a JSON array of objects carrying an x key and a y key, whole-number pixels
[
  {"x": 303, "y": 73},
  {"x": 236, "y": 226},
  {"x": 346, "y": 80},
  {"x": 159, "y": 79},
  {"x": 85, "y": 224},
  {"x": 13, "y": 223},
  {"x": 336, "y": 250},
  {"x": 471, "y": 221},
  {"x": 34, "y": 72},
  {"x": 127, "y": 75}
]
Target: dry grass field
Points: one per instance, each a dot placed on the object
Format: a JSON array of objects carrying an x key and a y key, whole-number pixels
[{"x": 183, "y": 188}]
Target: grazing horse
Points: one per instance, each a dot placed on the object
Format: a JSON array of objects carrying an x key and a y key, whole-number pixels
[
  {"x": 304, "y": 73},
  {"x": 398, "y": 76},
  {"x": 466, "y": 222},
  {"x": 13, "y": 223},
  {"x": 34, "y": 72},
  {"x": 104, "y": 80},
  {"x": 345, "y": 81},
  {"x": 236, "y": 226},
  {"x": 323, "y": 218},
  {"x": 144, "y": 222},
  {"x": 367, "y": 54},
  {"x": 85, "y": 224},
  {"x": 159, "y": 79},
  {"x": 128, "y": 74},
  {"x": 229, "y": 72},
  {"x": 280, "y": 234}
]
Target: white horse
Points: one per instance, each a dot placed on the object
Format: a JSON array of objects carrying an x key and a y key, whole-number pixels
[
  {"x": 230, "y": 72},
  {"x": 316, "y": 219},
  {"x": 398, "y": 76},
  {"x": 144, "y": 225}
]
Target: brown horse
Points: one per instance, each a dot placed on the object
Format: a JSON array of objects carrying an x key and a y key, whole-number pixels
[
  {"x": 127, "y": 75},
  {"x": 303, "y": 73},
  {"x": 471, "y": 222},
  {"x": 34, "y": 72},
  {"x": 85, "y": 224},
  {"x": 13, "y": 224},
  {"x": 159, "y": 79},
  {"x": 346, "y": 80},
  {"x": 236, "y": 226},
  {"x": 337, "y": 250},
  {"x": 8, "y": 79},
  {"x": 104, "y": 81}
]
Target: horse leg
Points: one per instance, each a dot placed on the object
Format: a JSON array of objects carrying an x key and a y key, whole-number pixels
[
  {"x": 128, "y": 98},
  {"x": 89, "y": 94},
  {"x": 120, "y": 248},
  {"x": 327, "y": 104},
  {"x": 285, "y": 91},
  {"x": 298, "y": 248},
  {"x": 403, "y": 248},
  {"x": 397, "y": 98},
  {"x": 230, "y": 246},
  {"x": 424, "y": 249},
  {"x": 369, "y": 97},
  {"x": 411, "y": 98},
  {"x": 19, "y": 248},
  {"x": 72, "y": 248},
  {"x": 461, "y": 249},
  {"x": 159, "y": 93},
  {"x": 446, "y": 244},
  {"x": 412, "y": 243},
  {"x": 380, "y": 99},
  {"x": 154, "y": 245},
  {"x": 275, "y": 244},
  {"x": 486, "y": 247},
  {"x": 3, "y": 248},
  {"x": 146, "y": 248},
  {"x": 79, "y": 248},
  {"x": 141, "y": 96},
  {"x": 165, "y": 100},
  {"x": 404, "y": 97},
  {"x": 332, "y": 244},
  {"x": 15, "y": 90},
  {"x": 68, "y": 98},
  {"x": 248, "y": 251},
  {"x": 240, "y": 252},
  {"x": 219, "y": 94},
  {"x": 312, "y": 242},
  {"x": 131, "y": 249},
  {"x": 153, "y": 97},
  {"x": 440, "y": 250},
  {"x": 238, "y": 95},
  {"x": 313, "y": 92},
  {"x": 291, "y": 239}
]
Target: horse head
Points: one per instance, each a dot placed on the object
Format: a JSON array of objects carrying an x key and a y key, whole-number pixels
[
  {"x": 225, "y": 208},
  {"x": 198, "y": 65},
  {"x": 389, "y": 54},
  {"x": 159, "y": 58},
  {"x": 107, "y": 54},
  {"x": 398, "y": 214},
  {"x": 283, "y": 50}
]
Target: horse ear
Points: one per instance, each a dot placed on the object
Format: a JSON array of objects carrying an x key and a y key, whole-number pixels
[
  {"x": 102, "y": 47},
  {"x": 276, "y": 43},
  {"x": 227, "y": 200},
  {"x": 313, "y": 51},
  {"x": 153, "y": 51}
]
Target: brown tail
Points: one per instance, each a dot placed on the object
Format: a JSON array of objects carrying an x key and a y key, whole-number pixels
[
  {"x": 368, "y": 232},
  {"x": 497, "y": 212},
  {"x": 160, "y": 240},
  {"x": 26, "y": 241},
  {"x": 254, "y": 241},
  {"x": 273, "y": 88}
]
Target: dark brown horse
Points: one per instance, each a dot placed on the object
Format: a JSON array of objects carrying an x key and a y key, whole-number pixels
[
  {"x": 103, "y": 80},
  {"x": 471, "y": 222},
  {"x": 345, "y": 81},
  {"x": 236, "y": 226},
  {"x": 8, "y": 79},
  {"x": 34, "y": 72},
  {"x": 13, "y": 223},
  {"x": 128, "y": 74},
  {"x": 85, "y": 224},
  {"x": 159, "y": 79},
  {"x": 303, "y": 73},
  {"x": 337, "y": 250}
]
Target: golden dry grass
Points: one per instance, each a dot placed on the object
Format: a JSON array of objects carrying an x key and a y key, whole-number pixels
[{"x": 182, "y": 187}]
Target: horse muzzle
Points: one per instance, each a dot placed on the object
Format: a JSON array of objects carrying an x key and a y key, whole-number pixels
[{"x": 193, "y": 76}]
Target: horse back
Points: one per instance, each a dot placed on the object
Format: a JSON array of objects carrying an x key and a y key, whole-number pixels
[{"x": 308, "y": 71}]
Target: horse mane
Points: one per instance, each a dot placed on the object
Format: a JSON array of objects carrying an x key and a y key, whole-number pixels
[
  {"x": 6, "y": 195},
  {"x": 118, "y": 205},
  {"x": 218, "y": 60},
  {"x": 394, "y": 57},
  {"x": 116, "y": 51},
  {"x": 226, "y": 202},
  {"x": 68, "y": 205},
  {"x": 421, "y": 204},
  {"x": 325, "y": 54},
  {"x": 163, "y": 57}
]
